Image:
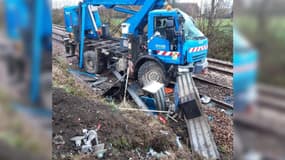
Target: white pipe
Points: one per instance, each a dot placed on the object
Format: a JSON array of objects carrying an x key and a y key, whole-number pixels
[
  {"x": 92, "y": 18},
  {"x": 143, "y": 110}
]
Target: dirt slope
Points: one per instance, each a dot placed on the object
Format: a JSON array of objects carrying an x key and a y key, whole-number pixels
[{"x": 126, "y": 135}]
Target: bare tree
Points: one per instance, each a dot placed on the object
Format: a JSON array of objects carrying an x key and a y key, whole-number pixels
[{"x": 211, "y": 15}]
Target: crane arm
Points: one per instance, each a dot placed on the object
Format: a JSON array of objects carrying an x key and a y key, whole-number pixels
[
  {"x": 139, "y": 18},
  {"x": 115, "y": 2}
]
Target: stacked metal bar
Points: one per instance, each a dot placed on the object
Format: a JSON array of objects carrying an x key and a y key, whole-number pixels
[
  {"x": 199, "y": 131},
  {"x": 187, "y": 99}
]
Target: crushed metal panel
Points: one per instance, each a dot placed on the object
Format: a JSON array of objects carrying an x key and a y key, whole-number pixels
[
  {"x": 136, "y": 98},
  {"x": 100, "y": 85},
  {"x": 153, "y": 87},
  {"x": 158, "y": 93}
]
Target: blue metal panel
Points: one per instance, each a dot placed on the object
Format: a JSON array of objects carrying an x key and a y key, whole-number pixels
[
  {"x": 82, "y": 35},
  {"x": 201, "y": 54},
  {"x": 245, "y": 64},
  {"x": 70, "y": 17},
  {"x": 125, "y": 10},
  {"x": 115, "y": 2},
  {"x": 150, "y": 102},
  {"x": 159, "y": 43},
  {"x": 36, "y": 55},
  {"x": 46, "y": 19},
  {"x": 245, "y": 59},
  {"x": 16, "y": 16}
]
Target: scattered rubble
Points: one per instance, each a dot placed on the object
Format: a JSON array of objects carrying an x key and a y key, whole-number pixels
[
  {"x": 217, "y": 77},
  {"x": 153, "y": 153},
  {"x": 58, "y": 140},
  {"x": 128, "y": 135},
  {"x": 222, "y": 127},
  {"x": 125, "y": 134},
  {"x": 88, "y": 140},
  {"x": 205, "y": 99}
]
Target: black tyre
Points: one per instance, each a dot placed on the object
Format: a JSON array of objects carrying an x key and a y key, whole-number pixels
[
  {"x": 92, "y": 62},
  {"x": 150, "y": 71}
]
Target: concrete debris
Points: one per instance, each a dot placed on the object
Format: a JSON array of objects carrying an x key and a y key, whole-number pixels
[
  {"x": 205, "y": 99},
  {"x": 99, "y": 150},
  {"x": 163, "y": 132},
  {"x": 210, "y": 118},
  {"x": 153, "y": 153},
  {"x": 86, "y": 148},
  {"x": 77, "y": 140},
  {"x": 252, "y": 155},
  {"x": 58, "y": 140},
  {"x": 178, "y": 142},
  {"x": 88, "y": 140}
]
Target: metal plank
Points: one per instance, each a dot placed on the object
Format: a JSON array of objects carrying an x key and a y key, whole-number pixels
[
  {"x": 136, "y": 98},
  {"x": 199, "y": 131},
  {"x": 201, "y": 139}
]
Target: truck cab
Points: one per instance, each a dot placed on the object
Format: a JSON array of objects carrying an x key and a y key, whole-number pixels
[{"x": 174, "y": 39}]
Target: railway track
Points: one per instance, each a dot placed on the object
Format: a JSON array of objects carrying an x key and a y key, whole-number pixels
[
  {"x": 58, "y": 34},
  {"x": 220, "y": 66},
  {"x": 271, "y": 97},
  {"x": 201, "y": 79},
  {"x": 265, "y": 122}
]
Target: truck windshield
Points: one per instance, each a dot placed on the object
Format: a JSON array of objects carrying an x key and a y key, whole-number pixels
[{"x": 190, "y": 30}]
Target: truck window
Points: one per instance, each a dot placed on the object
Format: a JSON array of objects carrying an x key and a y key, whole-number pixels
[{"x": 165, "y": 25}]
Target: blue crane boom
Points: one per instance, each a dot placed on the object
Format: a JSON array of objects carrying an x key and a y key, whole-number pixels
[
  {"x": 138, "y": 18},
  {"x": 115, "y": 2}
]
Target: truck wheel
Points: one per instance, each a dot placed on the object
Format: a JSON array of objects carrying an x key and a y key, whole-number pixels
[
  {"x": 91, "y": 62},
  {"x": 150, "y": 71}
]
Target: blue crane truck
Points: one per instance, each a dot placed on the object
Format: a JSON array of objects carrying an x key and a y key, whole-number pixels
[{"x": 171, "y": 44}]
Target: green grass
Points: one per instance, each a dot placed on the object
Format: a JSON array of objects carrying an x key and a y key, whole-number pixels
[
  {"x": 220, "y": 37},
  {"x": 117, "y": 21},
  {"x": 275, "y": 26}
]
